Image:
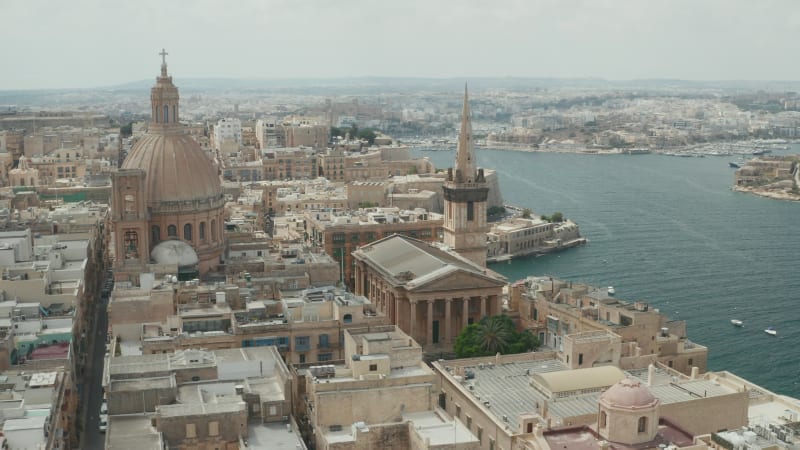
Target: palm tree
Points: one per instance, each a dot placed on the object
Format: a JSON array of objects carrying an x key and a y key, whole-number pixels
[{"x": 493, "y": 334}]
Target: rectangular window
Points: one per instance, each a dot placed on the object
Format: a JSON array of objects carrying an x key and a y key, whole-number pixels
[
  {"x": 354, "y": 237},
  {"x": 469, "y": 423},
  {"x": 190, "y": 431},
  {"x": 302, "y": 343},
  {"x": 323, "y": 341},
  {"x": 470, "y": 211},
  {"x": 491, "y": 444},
  {"x": 690, "y": 362},
  {"x": 480, "y": 435},
  {"x": 426, "y": 233},
  {"x": 338, "y": 237},
  {"x": 458, "y": 412},
  {"x": 213, "y": 428},
  {"x": 373, "y": 367},
  {"x": 324, "y": 357}
]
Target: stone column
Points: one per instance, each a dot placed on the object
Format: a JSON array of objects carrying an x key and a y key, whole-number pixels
[
  {"x": 429, "y": 336},
  {"x": 448, "y": 338},
  {"x": 465, "y": 309},
  {"x": 413, "y": 318},
  {"x": 483, "y": 306}
]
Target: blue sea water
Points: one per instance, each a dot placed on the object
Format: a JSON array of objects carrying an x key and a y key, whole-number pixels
[{"x": 670, "y": 231}]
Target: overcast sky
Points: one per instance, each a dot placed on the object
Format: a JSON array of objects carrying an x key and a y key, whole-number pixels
[{"x": 89, "y": 43}]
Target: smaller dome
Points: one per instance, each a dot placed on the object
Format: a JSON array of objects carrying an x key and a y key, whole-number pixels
[
  {"x": 174, "y": 252},
  {"x": 629, "y": 394}
]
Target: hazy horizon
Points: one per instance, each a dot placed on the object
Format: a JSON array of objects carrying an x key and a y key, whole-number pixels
[{"x": 93, "y": 43}]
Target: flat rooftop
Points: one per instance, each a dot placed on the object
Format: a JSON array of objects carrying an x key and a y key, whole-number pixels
[
  {"x": 131, "y": 432},
  {"x": 440, "y": 430},
  {"x": 273, "y": 436},
  {"x": 507, "y": 388}
]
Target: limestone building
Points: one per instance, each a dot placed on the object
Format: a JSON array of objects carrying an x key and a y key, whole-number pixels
[
  {"x": 167, "y": 203},
  {"x": 430, "y": 293},
  {"x": 533, "y": 401},
  {"x": 382, "y": 396},
  {"x": 465, "y": 195}
]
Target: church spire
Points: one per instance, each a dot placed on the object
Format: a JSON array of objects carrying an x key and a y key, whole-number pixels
[{"x": 465, "y": 155}]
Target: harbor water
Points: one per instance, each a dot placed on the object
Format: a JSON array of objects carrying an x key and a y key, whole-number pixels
[{"x": 671, "y": 232}]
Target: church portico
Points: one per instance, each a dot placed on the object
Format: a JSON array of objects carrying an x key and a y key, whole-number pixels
[{"x": 432, "y": 308}]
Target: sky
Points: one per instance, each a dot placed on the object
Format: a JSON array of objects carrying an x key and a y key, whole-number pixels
[{"x": 96, "y": 43}]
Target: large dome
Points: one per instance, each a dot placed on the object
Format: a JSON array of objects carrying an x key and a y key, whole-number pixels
[
  {"x": 629, "y": 394},
  {"x": 177, "y": 169}
]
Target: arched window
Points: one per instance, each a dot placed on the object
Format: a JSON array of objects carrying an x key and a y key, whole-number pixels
[
  {"x": 187, "y": 232},
  {"x": 166, "y": 114},
  {"x": 202, "y": 231},
  {"x": 155, "y": 234},
  {"x": 642, "y": 424},
  {"x": 603, "y": 419},
  {"x": 172, "y": 231},
  {"x": 214, "y": 230}
]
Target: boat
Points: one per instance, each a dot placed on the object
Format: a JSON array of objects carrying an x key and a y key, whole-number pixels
[
  {"x": 734, "y": 164},
  {"x": 611, "y": 290},
  {"x": 771, "y": 331},
  {"x": 737, "y": 323}
]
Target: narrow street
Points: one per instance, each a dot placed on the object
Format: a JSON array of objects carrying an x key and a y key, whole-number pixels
[{"x": 93, "y": 394}]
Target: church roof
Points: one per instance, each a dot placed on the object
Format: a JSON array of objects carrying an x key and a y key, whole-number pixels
[
  {"x": 177, "y": 169},
  {"x": 415, "y": 263}
]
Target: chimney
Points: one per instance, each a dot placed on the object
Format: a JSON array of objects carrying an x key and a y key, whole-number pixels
[
  {"x": 651, "y": 374},
  {"x": 695, "y": 372},
  {"x": 239, "y": 389}
]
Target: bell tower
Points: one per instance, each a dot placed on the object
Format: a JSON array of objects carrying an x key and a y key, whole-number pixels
[
  {"x": 465, "y": 194},
  {"x": 129, "y": 217}
]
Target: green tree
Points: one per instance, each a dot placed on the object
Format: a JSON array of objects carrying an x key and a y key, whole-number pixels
[
  {"x": 526, "y": 213},
  {"x": 126, "y": 130},
  {"x": 367, "y": 135},
  {"x": 557, "y": 217},
  {"x": 495, "y": 210},
  {"x": 492, "y": 335}
]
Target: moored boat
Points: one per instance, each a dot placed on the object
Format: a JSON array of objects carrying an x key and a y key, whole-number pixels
[
  {"x": 771, "y": 331},
  {"x": 737, "y": 322},
  {"x": 611, "y": 290}
]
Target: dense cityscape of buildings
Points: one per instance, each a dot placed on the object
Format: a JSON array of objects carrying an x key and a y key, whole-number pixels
[{"x": 252, "y": 280}]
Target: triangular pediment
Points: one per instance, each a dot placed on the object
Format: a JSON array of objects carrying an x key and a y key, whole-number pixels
[{"x": 457, "y": 280}]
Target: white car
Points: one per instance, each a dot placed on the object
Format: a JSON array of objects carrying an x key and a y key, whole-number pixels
[
  {"x": 103, "y": 423},
  {"x": 103, "y": 408}
]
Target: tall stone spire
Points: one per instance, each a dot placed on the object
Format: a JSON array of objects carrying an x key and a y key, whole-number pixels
[
  {"x": 465, "y": 169},
  {"x": 465, "y": 193},
  {"x": 164, "y": 99}
]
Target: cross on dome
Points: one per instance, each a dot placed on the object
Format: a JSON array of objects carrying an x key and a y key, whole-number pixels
[{"x": 163, "y": 62}]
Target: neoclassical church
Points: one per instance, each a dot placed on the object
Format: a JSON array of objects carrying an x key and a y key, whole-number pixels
[
  {"x": 167, "y": 205},
  {"x": 429, "y": 292}
]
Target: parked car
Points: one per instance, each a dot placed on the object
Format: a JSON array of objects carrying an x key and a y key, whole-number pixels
[{"x": 103, "y": 423}]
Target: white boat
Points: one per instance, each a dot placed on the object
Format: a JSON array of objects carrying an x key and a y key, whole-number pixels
[
  {"x": 771, "y": 331},
  {"x": 737, "y": 322},
  {"x": 611, "y": 290}
]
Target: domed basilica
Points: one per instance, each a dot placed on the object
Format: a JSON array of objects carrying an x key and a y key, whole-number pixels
[{"x": 167, "y": 204}]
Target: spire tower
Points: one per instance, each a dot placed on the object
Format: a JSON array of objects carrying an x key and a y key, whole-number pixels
[
  {"x": 465, "y": 154},
  {"x": 465, "y": 195}
]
